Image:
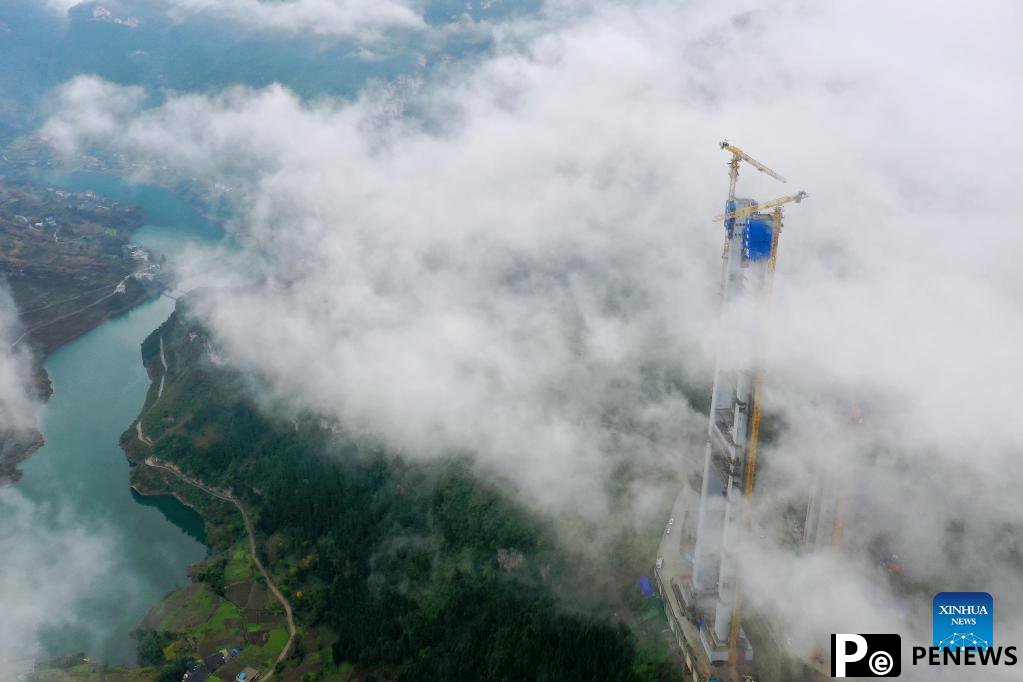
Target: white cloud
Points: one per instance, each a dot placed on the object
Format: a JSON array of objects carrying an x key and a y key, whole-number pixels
[
  {"x": 61, "y": 7},
  {"x": 518, "y": 266},
  {"x": 364, "y": 21},
  {"x": 19, "y": 410},
  {"x": 36, "y": 588},
  {"x": 336, "y": 18}
]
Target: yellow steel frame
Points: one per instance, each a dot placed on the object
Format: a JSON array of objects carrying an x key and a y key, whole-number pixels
[{"x": 751, "y": 460}]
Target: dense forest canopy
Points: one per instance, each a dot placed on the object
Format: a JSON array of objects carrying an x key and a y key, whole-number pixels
[{"x": 421, "y": 571}]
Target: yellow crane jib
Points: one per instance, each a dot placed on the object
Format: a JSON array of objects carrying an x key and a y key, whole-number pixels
[
  {"x": 750, "y": 210},
  {"x": 738, "y": 154}
]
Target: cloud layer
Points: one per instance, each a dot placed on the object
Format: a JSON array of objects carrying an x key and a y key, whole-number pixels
[
  {"x": 35, "y": 588},
  {"x": 35, "y": 585},
  {"x": 515, "y": 260},
  {"x": 19, "y": 410}
]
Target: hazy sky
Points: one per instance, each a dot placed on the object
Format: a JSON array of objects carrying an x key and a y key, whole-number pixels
[{"x": 514, "y": 259}]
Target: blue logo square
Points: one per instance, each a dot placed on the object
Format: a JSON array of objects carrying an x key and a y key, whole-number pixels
[{"x": 964, "y": 619}]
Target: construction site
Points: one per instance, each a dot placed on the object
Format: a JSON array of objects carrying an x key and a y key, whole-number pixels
[{"x": 697, "y": 567}]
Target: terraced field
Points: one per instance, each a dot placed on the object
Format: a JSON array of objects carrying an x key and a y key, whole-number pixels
[{"x": 244, "y": 617}]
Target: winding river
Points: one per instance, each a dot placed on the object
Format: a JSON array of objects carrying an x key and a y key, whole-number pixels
[{"x": 81, "y": 474}]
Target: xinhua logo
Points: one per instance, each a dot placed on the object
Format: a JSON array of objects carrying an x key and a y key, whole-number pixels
[
  {"x": 866, "y": 655},
  {"x": 963, "y": 620}
]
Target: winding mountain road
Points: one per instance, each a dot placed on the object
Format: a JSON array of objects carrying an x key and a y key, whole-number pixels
[
  {"x": 163, "y": 361},
  {"x": 228, "y": 497}
]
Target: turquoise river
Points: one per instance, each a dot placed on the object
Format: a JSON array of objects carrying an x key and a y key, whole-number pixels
[{"x": 81, "y": 474}]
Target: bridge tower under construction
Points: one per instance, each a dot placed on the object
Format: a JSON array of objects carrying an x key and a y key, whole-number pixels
[{"x": 697, "y": 567}]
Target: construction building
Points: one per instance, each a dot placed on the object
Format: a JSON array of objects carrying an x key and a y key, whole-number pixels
[{"x": 696, "y": 568}]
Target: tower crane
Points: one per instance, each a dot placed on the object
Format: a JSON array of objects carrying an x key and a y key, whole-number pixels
[
  {"x": 733, "y": 165},
  {"x": 759, "y": 208}
]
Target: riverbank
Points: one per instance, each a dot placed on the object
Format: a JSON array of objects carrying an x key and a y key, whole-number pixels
[
  {"x": 183, "y": 501},
  {"x": 17, "y": 447},
  {"x": 238, "y": 613},
  {"x": 68, "y": 261}
]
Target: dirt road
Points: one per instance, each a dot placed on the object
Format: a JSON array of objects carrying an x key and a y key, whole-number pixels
[{"x": 227, "y": 497}]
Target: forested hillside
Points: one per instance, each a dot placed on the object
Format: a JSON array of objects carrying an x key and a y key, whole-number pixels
[{"x": 408, "y": 571}]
